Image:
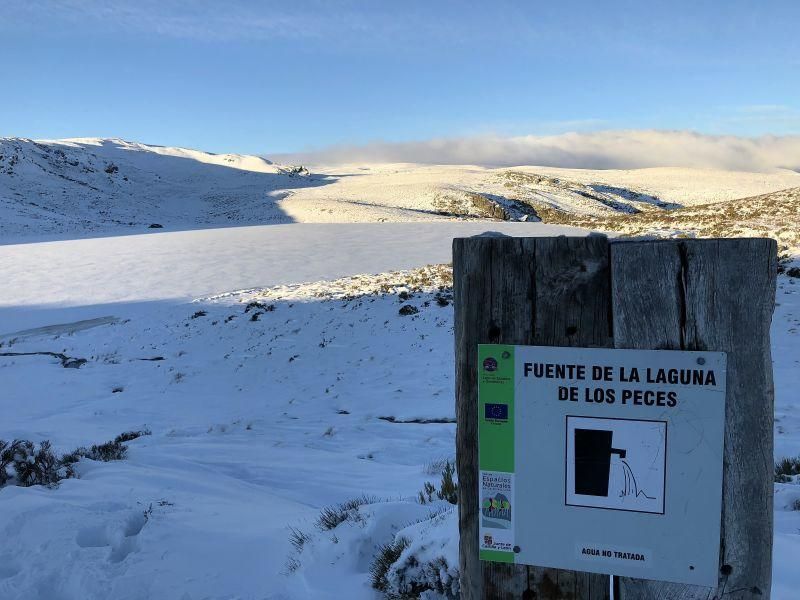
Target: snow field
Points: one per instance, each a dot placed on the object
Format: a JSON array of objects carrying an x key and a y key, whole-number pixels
[{"x": 256, "y": 425}]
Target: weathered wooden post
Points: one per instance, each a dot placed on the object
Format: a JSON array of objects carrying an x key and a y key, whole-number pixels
[
  {"x": 544, "y": 291},
  {"x": 714, "y": 296}
]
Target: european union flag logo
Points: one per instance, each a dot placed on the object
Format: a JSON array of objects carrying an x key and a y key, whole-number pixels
[{"x": 497, "y": 412}]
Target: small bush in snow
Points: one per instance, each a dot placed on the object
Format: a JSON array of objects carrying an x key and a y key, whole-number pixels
[
  {"x": 6, "y": 458},
  {"x": 109, "y": 451},
  {"x": 333, "y": 516},
  {"x": 29, "y": 464},
  {"x": 422, "y": 561},
  {"x": 793, "y": 272},
  {"x": 427, "y": 493},
  {"x": 298, "y": 538},
  {"x": 255, "y": 305},
  {"x": 408, "y": 309},
  {"x": 448, "y": 488},
  {"x": 113, "y": 450},
  {"x": 292, "y": 564},
  {"x": 128, "y": 436},
  {"x": 387, "y": 555},
  {"x": 26, "y": 464},
  {"x": 410, "y": 578},
  {"x": 786, "y": 469}
]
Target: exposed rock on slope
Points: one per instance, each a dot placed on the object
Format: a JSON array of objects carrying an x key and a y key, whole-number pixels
[{"x": 774, "y": 215}]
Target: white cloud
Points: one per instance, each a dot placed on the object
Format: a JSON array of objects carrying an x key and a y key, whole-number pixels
[{"x": 627, "y": 149}]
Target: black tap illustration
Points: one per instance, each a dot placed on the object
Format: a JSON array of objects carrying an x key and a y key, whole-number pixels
[{"x": 593, "y": 452}]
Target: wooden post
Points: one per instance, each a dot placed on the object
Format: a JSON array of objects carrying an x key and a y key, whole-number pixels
[
  {"x": 537, "y": 291},
  {"x": 714, "y": 295}
]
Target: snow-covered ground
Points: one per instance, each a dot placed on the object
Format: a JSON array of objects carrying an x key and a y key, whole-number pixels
[
  {"x": 70, "y": 280},
  {"x": 265, "y": 406},
  {"x": 256, "y": 426},
  {"x": 65, "y": 189},
  {"x": 786, "y": 364}
]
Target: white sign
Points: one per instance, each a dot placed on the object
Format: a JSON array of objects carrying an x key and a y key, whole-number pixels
[{"x": 602, "y": 460}]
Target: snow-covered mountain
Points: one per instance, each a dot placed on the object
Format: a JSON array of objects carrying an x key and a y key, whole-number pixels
[
  {"x": 80, "y": 187},
  {"x": 99, "y": 185}
]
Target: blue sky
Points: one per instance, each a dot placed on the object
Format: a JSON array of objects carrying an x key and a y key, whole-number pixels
[{"x": 269, "y": 77}]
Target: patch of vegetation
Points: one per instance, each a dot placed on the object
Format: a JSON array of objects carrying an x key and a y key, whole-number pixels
[
  {"x": 129, "y": 436},
  {"x": 448, "y": 487},
  {"x": 461, "y": 203},
  {"x": 412, "y": 579},
  {"x": 440, "y": 276},
  {"x": 292, "y": 564},
  {"x": 255, "y": 305},
  {"x": 443, "y": 299},
  {"x": 332, "y": 516},
  {"x": 29, "y": 464},
  {"x": 786, "y": 469},
  {"x": 298, "y": 539},
  {"x": 25, "y": 464},
  {"x": 387, "y": 555},
  {"x": 408, "y": 309}
]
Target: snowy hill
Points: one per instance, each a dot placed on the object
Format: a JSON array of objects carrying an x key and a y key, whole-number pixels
[
  {"x": 418, "y": 192},
  {"x": 89, "y": 187},
  {"x": 94, "y": 185}
]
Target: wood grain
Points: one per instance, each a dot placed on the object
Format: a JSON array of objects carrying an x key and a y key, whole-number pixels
[
  {"x": 527, "y": 291},
  {"x": 715, "y": 295}
]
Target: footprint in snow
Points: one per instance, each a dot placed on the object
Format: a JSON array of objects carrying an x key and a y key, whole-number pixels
[
  {"x": 8, "y": 567},
  {"x": 120, "y": 537}
]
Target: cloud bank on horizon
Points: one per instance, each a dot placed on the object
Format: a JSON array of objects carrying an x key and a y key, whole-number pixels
[{"x": 625, "y": 149}]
